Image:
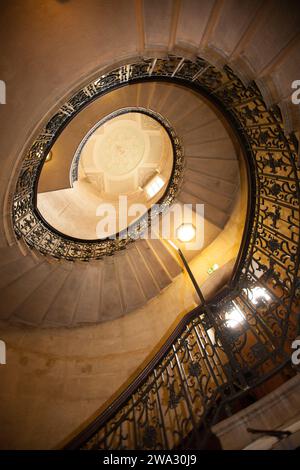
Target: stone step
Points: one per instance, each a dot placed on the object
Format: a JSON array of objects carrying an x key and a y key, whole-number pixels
[
  {"x": 62, "y": 309},
  {"x": 9, "y": 254},
  {"x": 212, "y": 130},
  {"x": 16, "y": 269},
  {"x": 222, "y": 187},
  {"x": 168, "y": 261},
  {"x": 224, "y": 170},
  {"x": 213, "y": 214},
  {"x": 34, "y": 309},
  {"x": 143, "y": 273},
  {"x": 161, "y": 277},
  {"x": 221, "y": 149},
  {"x": 21, "y": 288},
  {"x": 193, "y": 118},
  {"x": 111, "y": 305},
  {"x": 88, "y": 306},
  {"x": 203, "y": 194},
  {"x": 131, "y": 292}
]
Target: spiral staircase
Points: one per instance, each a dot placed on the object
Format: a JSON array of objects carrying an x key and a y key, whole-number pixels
[
  {"x": 110, "y": 288},
  {"x": 226, "y": 93}
]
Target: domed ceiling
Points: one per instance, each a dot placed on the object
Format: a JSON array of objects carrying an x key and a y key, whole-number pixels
[
  {"x": 159, "y": 145},
  {"x": 121, "y": 155}
]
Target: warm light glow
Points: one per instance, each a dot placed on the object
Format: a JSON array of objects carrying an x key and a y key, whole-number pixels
[
  {"x": 211, "y": 334},
  {"x": 213, "y": 268},
  {"x": 234, "y": 317},
  {"x": 258, "y": 293},
  {"x": 49, "y": 157},
  {"x": 154, "y": 186},
  {"x": 173, "y": 245},
  {"x": 186, "y": 232}
]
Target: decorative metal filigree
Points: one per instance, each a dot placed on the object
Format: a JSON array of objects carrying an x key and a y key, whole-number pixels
[
  {"x": 205, "y": 365},
  {"x": 34, "y": 229}
]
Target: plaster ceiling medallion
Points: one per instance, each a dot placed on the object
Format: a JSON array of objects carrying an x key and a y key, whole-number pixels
[
  {"x": 121, "y": 153},
  {"x": 120, "y": 149},
  {"x": 141, "y": 144},
  {"x": 120, "y": 158}
]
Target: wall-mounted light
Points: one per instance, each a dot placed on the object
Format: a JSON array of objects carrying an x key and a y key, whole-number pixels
[
  {"x": 186, "y": 232},
  {"x": 234, "y": 317},
  {"x": 257, "y": 294}
]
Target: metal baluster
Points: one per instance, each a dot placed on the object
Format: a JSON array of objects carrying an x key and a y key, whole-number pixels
[{"x": 166, "y": 444}]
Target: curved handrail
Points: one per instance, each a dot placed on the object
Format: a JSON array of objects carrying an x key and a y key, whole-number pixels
[
  {"x": 205, "y": 358},
  {"x": 114, "y": 407}
]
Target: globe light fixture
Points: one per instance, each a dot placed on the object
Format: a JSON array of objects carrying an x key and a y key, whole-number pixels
[{"x": 186, "y": 232}]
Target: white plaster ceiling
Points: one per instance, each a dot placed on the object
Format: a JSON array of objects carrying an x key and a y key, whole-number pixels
[{"x": 122, "y": 154}]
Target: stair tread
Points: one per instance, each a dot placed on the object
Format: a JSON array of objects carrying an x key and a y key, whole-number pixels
[
  {"x": 111, "y": 301},
  {"x": 63, "y": 307},
  {"x": 224, "y": 188},
  {"x": 16, "y": 269},
  {"x": 19, "y": 290},
  {"x": 34, "y": 308},
  {"x": 144, "y": 274},
  {"x": 131, "y": 291},
  {"x": 9, "y": 254},
  {"x": 227, "y": 170},
  {"x": 214, "y": 215},
  {"x": 223, "y": 203},
  {"x": 221, "y": 148},
  {"x": 170, "y": 264},
  {"x": 160, "y": 276},
  {"x": 88, "y": 306},
  {"x": 211, "y": 131}
]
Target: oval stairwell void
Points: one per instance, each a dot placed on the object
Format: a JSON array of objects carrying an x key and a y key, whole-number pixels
[
  {"x": 206, "y": 172},
  {"x": 112, "y": 352}
]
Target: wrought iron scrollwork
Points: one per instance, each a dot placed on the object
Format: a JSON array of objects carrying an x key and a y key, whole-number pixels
[
  {"x": 34, "y": 230},
  {"x": 205, "y": 364}
]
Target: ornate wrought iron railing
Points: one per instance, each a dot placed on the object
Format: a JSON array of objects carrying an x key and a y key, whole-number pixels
[
  {"x": 30, "y": 225},
  {"x": 209, "y": 362},
  {"x": 206, "y": 363},
  {"x": 203, "y": 367}
]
